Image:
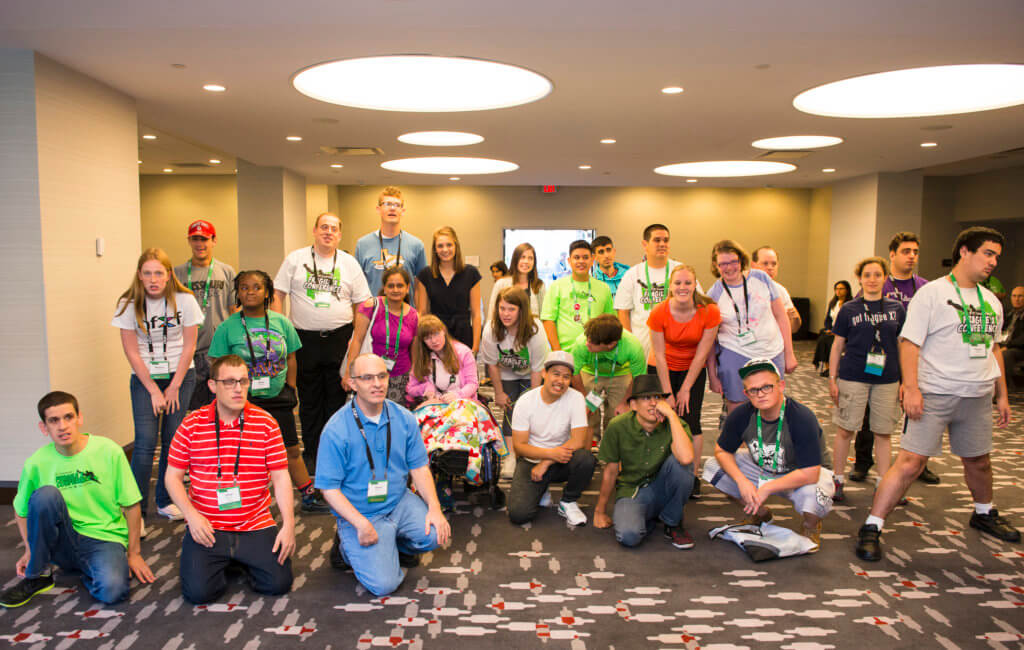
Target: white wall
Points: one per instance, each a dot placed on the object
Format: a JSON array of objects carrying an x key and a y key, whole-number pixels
[{"x": 852, "y": 230}]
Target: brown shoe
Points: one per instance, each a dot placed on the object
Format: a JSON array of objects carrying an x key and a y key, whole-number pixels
[
  {"x": 756, "y": 519},
  {"x": 814, "y": 534}
]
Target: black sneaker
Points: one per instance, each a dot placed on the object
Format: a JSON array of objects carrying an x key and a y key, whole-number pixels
[
  {"x": 337, "y": 559},
  {"x": 678, "y": 537},
  {"x": 838, "y": 496},
  {"x": 22, "y": 592},
  {"x": 695, "y": 492},
  {"x": 869, "y": 546},
  {"x": 994, "y": 525},
  {"x": 859, "y": 475},
  {"x": 314, "y": 503},
  {"x": 408, "y": 560},
  {"x": 929, "y": 477}
]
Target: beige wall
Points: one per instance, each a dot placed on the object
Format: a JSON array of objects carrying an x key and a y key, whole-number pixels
[
  {"x": 852, "y": 229},
  {"x": 171, "y": 202},
  {"x": 818, "y": 249},
  {"x": 991, "y": 196}
]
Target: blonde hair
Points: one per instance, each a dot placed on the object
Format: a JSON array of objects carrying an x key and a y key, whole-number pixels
[
  {"x": 391, "y": 191},
  {"x": 135, "y": 294},
  {"x": 435, "y": 263},
  {"x": 526, "y": 328},
  {"x": 429, "y": 325},
  {"x": 699, "y": 299}
]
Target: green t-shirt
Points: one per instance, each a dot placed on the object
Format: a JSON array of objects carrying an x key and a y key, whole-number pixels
[
  {"x": 993, "y": 284},
  {"x": 271, "y": 348},
  {"x": 571, "y": 304},
  {"x": 95, "y": 483},
  {"x": 624, "y": 359},
  {"x": 638, "y": 453}
]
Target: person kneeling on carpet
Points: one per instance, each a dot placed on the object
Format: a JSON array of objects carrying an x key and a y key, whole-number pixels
[
  {"x": 229, "y": 449},
  {"x": 368, "y": 451},
  {"x": 648, "y": 454},
  {"x": 783, "y": 454}
]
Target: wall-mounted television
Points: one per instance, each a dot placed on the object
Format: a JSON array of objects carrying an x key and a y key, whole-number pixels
[{"x": 551, "y": 244}]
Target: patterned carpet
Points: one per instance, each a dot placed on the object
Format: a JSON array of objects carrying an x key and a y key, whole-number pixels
[{"x": 941, "y": 584}]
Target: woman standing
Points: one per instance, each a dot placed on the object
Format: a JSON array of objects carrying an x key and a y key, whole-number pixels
[
  {"x": 498, "y": 270},
  {"x": 513, "y": 348},
  {"x": 450, "y": 289},
  {"x": 442, "y": 369},
  {"x": 683, "y": 332},
  {"x": 523, "y": 275},
  {"x": 267, "y": 341},
  {"x": 159, "y": 321},
  {"x": 754, "y": 321},
  {"x": 390, "y": 322},
  {"x": 865, "y": 367},
  {"x": 841, "y": 293}
]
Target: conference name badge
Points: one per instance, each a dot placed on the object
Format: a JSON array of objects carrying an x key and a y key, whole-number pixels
[
  {"x": 594, "y": 401},
  {"x": 389, "y": 364},
  {"x": 875, "y": 363},
  {"x": 977, "y": 350},
  {"x": 322, "y": 299},
  {"x": 746, "y": 337},
  {"x": 377, "y": 491},
  {"x": 229, "y": 498},
  {"x": 159, "y": 369},
  {"x": 260, "y": 383}
]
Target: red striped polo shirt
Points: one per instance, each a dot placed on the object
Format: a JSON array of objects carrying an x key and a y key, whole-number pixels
[{"x": 194, "y": 448}]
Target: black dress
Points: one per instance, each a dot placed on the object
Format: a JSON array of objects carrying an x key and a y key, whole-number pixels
[
  {"x": 823, "y": 349},
  {"x": 450, "y": 302}
]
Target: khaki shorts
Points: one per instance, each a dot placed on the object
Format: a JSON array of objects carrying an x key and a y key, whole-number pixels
[
  {"x": 969, "y": 420},
  {"x": 854, "y": 396}
]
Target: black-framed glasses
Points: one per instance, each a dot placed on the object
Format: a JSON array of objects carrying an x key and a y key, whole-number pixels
[
  {"x": 232, "y": 383},
  {"x": 757, "y": 391}
]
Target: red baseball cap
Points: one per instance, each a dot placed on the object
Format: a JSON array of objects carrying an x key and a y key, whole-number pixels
[{"x": 202, "y": 228}]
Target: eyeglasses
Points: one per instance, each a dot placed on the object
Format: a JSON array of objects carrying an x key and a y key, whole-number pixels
[
  {"x": 233, "y": 383},
  {"x": 391, "y": 204},
  {"x": 381, "y": 376},
  {"x": 758, "y": 391},
  {"x": 725, "y": 265}
]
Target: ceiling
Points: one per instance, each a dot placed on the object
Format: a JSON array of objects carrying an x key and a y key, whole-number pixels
[{"x": 741, "y": 63}]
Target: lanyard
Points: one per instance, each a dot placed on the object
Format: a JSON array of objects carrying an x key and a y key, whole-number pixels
[
  {"x": 966, "y": 314},
  {"x": 615, "y": 360},
  {"x": 650, "y": 288},
  {"x": 913, "y": 285},
  {"x": 746, "y": 302},
  {"x": 209, "y": 281},
  {"x": 241, "y": 429},
  {"x": 589, "y": 295},
  {"x": 369, "y": 453},
  {"x": 874, "y": 324},
  {"x": 316, "y": 275},
  {"x": 149, "y": 335},
  {"x": 248, "y": 339},
  {"x": 778, "y": 438},
  {"x": 387, "y": 331},
  {"x": 383, "y": 256},
  {"x": 451, "y": 377}
]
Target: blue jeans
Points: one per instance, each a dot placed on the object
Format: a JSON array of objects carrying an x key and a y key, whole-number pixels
[
  {"x": 148, "y": 427},
  {"x": 663, "y": 498},
  {"x": 52, "y": 539},
  {"x": 401, "y": 530}
]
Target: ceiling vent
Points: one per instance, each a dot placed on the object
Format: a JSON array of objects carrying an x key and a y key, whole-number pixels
[
  {"x": 352, "y": 151},
  {"x": 783, "y": 156},
  {"x": 191, "y": 165}
]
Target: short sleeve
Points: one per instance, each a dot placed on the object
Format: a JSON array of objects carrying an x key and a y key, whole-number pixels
[
  {"x": 276, "y": 456},
  {"x": 360, "y": 287},
  {"x": 191, "y": 314},
  {"x": 219, "y": 343},
  {"x": 472, "y": 275},
  {"x": 549, "y": 308},
  {"x": 712, "y": 316},
  {"x": 656, "y": 321},
  {"x": 732, "y": 431},
  {"x": 637, "y": 357},
  {"x": 283, "y": 279},
  {"x": 915, "y": 328},
  {"x": 539, "y": 349},
  {"x": 331, "y": 456},
  {"x": 488, "y": 346},
  {"x": 608, "y": 452},
  {"x": 805, "y": 432},
  {"x": 578, "y": 415},
  {"x": 580, "y": 354},
  {"x": 124, "y": 320},
  {"x": 128, "y": 493},
  {"x": 521, "y": 412},
  {"x": 624, "y": 295},
  {"x": 841, "y": 326},
  {"x": 180, "y": 455}
]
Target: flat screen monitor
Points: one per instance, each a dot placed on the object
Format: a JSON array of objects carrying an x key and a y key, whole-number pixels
[{"x": 551, "y": 244}]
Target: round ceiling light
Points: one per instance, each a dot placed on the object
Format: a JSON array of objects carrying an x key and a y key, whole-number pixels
[
  {"x": 449, "y": 165},
  {"x": 918, "y": 92},
  {"x": 440, "y": 138},
  {"x": 797, "y": 142},
  {"x": 420, "y": 83},
  {"x": 725, "y": 168}
]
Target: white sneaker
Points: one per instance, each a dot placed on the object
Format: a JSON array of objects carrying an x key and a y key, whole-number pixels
[
  {"x": 170, "y": 511},
  {"x": 508, "y": 467},
  {"x": 545, "y": 499},
  {"x": 572, "y": 513}
]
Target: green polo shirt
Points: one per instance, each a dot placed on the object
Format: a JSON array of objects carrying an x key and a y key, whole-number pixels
[
  {"x": 626, "y": 358},
  {"x": 638, "y": 453}
]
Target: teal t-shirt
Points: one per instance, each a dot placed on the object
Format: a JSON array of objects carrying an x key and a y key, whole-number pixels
[
  {"x": 95, "y": 483},
  {"x": 271, "y": 347},
  {"x": 570, "y": 304},
  {"x": 627, "y": 358}
]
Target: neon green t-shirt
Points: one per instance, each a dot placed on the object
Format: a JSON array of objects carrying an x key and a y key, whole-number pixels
[
  {"x": 270, "y": 345},
  {"x": 627, "y": 358},
  {"x": 95, "y": 483},
  {"x": 570, "y": 304}
]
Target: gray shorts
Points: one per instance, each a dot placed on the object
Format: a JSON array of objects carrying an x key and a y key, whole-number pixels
[
  {"x": 855, "y": 396},
  {"x": 969, "y": 420},
  {"x": 813, "y": 499}
]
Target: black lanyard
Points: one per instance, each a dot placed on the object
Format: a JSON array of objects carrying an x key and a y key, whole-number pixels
[
  {"x": 248, "y": 339},
  {"x": 746, "y": 302},
  {"x": 383, "y": 256},
  {"x": 316, "y": 274},
  {"x": 874, "y": 324},
  {"x": 369, "y": 453},
  {"x": 149, "y": 336},
  {"x": 451, "y": 377},
  {"x": 241, "y": 429}
]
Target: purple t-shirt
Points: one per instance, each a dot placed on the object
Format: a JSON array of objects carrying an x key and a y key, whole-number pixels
[
  {"x": 378, "y": 332},
  {"x": 902, "y": 290}
]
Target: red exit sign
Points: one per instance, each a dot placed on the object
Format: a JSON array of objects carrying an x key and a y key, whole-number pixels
[{"x": 548, "y": 189}]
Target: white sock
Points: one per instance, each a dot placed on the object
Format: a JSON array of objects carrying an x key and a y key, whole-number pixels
[
  {"x": 872, "y": 520},
  {"x": 982, "y": 508}
]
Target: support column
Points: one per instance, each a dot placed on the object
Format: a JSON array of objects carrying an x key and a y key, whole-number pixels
[{"x": 271, "y": 215}]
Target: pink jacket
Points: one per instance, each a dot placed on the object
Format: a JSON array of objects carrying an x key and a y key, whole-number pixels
[{"x": 466, "y": 382}]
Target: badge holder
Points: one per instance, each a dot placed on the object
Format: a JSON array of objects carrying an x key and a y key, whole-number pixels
[
  {"x": 875, "y": 364},
  {"x": 594, "y": 401},
  {"x": 389, "y": 364},
  {"x": 746, "y": 337},
  {"x": 260, "y": 383},
  {"x": 377, "y": 491},
  {"x": 322, "y": 300},
  {"x": 229, "y": 498},
  {"x": 978, "y": 346},
  {"x": 159, "y": 369}
]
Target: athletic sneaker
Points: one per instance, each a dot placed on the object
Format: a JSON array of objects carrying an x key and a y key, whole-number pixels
[
  {"x": 838, "y": 497},
  {"x": 678, "y": 537},
  {"x": 170, "y": 511},
  {"x": 314, "y": 503},
  {"x": 22, "y": 592},
  {"x": 995, "y": 526},
  {"x": 869, "y": 545},
  {"x": 545, "y": 499},
  {"x": 572, "y": 513}
]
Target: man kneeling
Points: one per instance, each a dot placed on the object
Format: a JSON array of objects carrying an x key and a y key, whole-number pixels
[
  {"x": 368, "y": 451},
  {"x": 229, "y": 448},
  {"x": 648, "y": 454},
  {"x": 77, "y": 506},
  {"x": 783, "y": 452}
]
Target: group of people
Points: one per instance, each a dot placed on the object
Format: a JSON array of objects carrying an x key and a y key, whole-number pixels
[{"x": 606, "y": 365}]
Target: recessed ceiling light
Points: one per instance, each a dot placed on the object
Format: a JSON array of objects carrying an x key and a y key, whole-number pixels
[
  {"x": 420, "y": 83},
  {"x": 214, "y": 88},
  {"x": 584, "y": 166},
  {"x": 725, "y": 168},
  {"x": 828, "y": 170},
  {"x": 691, "y": 180},
  {"x": 672, "y": 90},
  {"x": 293, "y": 138},
  {"x": 149, "y": 136},
  {"x": 337, "y": 165},
  {"x": 918, "y": 92},
  {"x": 928, "y": 145},
  {"x": 140, "y": 162},
  {"x": 797, "y": 142},
  {"x": 440, "y": 138},
  {"x": 455, "y": 178},
  {"x": 168, "y": 170},
  {"x": 608, "y": 141},
  {"x": 214, "y": 161},
  {"x": 449, "y": 165}
]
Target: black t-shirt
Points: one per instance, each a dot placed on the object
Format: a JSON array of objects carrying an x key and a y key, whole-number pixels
[
  {"x": 858, "y": 328},
  {"x": 802, "y": 442},
  {"x": 450, "y": 302}
]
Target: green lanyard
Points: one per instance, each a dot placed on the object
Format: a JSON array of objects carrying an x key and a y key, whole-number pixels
[
  {"x": 649, "y": 291},
  {"x": 387, "y": 331},
  {"x": 981, "y": 337},
  {"x": 209, "y": 278},
  {"x": 615, "y": 360},
  {"x": 778, "y": 438}
]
